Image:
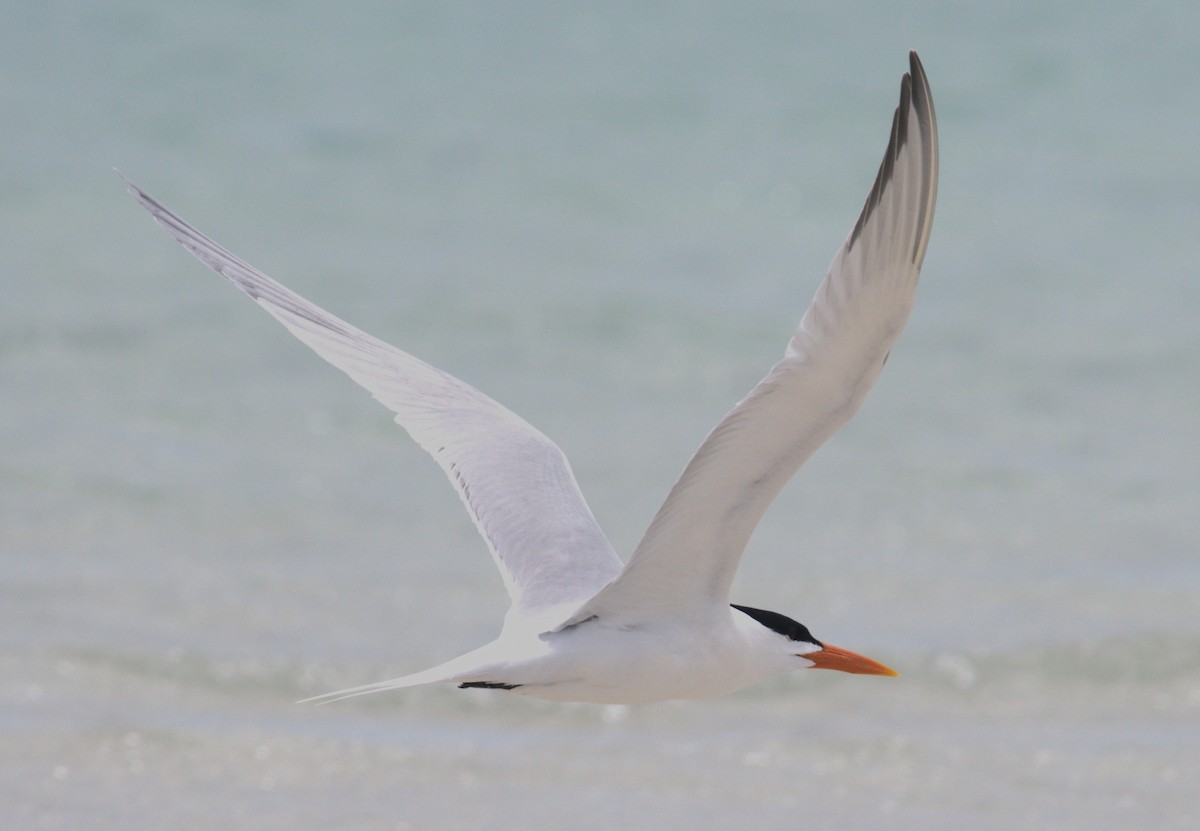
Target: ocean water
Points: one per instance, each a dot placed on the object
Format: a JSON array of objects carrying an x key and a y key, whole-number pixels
[{"x": 609, "y": 218}]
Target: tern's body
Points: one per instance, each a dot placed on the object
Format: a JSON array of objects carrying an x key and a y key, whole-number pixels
[
  {"x": 604, "y": 664},
  {"x": 583, "y": 625}
]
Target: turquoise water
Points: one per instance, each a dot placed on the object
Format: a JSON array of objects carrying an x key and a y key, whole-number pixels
[{"x": 610, "y": 219}]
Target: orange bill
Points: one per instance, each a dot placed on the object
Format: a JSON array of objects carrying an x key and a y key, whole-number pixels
[{"x": 843, "y": 660}]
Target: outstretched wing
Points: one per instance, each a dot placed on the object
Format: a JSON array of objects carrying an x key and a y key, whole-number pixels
[
  {"x": 516, "y": 483},
  {"x": 686, "y": 561}
]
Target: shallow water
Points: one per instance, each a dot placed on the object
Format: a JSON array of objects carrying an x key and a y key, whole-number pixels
[{"x": 609, "y": 220}]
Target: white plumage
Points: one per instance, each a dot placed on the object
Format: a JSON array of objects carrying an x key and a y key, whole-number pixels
[{"x": 583, "y": 626}]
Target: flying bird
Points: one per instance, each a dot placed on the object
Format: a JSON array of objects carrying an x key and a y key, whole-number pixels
[{"x": 584, "y": 625}]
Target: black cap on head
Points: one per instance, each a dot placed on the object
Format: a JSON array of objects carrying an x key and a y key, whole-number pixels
[{"x": 782, "y": 624}]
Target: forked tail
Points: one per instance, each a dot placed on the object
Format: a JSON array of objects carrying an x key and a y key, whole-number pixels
[{"x": 471, "y": 669}]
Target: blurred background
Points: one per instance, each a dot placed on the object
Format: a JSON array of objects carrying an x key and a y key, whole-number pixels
[{"x": 609, "y": 217}]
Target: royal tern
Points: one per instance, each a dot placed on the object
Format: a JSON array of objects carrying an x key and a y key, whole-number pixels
[{"x": 583, "y": 625}]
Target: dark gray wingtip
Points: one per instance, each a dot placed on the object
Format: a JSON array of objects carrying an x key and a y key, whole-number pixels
[
  {"x": 135, "y": 191},
  {"x": 242, "y": 275},
  {"x": 895, "y": 143},
  {"x": 916, "y": 106},
  {"x": 156, "y": 209},
  {"x": 922, "y": 102},
  {"x": 914, "y": 64},
  {"x": 922, "y": 98}
]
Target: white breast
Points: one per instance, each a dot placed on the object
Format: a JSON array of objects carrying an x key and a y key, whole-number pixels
[{"x": 602, "y": 664}]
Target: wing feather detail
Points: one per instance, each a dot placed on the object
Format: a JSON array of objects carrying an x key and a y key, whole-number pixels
[
  {"x": 685, "y": 562},
  {"x": 516, "y": 484}
]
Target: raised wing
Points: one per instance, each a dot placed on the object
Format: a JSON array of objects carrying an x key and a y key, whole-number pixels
[
  {"x": 686, "y": 561},
  {"x": 516, "y": 483}
]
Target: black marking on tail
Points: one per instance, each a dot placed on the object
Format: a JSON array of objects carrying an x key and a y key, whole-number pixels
[{"x": 487, "y": 685}]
